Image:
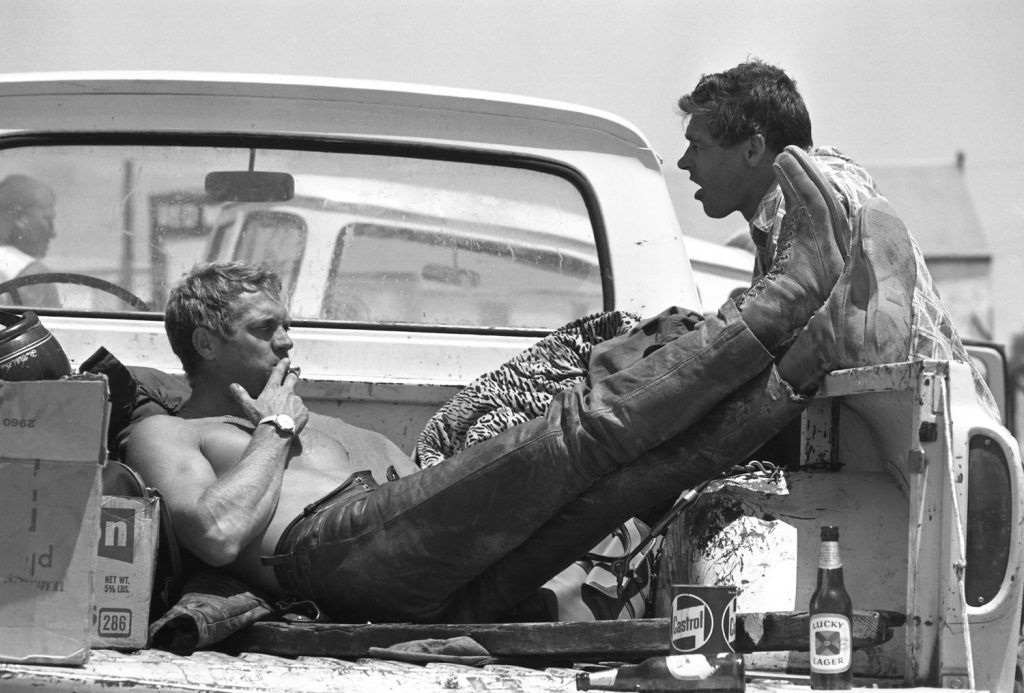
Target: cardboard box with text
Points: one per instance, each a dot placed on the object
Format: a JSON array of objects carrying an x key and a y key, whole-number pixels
[
  {"x": 123, "y": 581},
  {"x": 52, "y": 446}
]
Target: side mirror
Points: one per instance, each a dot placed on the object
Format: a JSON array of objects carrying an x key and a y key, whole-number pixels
[
  {"x": 250, "y": 186},
  {"x": 990, "y": 359}
]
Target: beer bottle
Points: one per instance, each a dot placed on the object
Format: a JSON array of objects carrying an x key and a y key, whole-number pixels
[
  {"x": 831, "y": 620},
  {"x": 684, "y": 672}
]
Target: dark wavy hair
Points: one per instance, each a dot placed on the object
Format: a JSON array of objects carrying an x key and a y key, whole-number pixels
[
  {"x": 751, "y": 98},
  {"x": 206, "y": 298}
]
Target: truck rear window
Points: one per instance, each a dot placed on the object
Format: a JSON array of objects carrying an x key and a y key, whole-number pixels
[{"x": 387, "y": 238}]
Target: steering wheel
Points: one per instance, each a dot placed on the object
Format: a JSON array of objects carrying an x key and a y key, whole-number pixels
[{"x": 11, "y": 286}]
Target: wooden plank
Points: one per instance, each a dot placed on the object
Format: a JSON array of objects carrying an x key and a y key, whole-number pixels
[
  {"x": 774, "y": 631},
  {"x": 583, "y": 641},
  {"x": 882, "y": 378},
  {"x": 567, "y": 641}
]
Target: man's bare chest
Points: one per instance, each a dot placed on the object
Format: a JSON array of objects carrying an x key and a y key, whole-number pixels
[{"x": 224, "y": 445}]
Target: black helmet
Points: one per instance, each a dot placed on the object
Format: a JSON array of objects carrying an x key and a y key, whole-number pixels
[{"x": 28, "y": 351}]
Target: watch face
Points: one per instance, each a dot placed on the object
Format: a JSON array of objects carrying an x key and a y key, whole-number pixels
[{"x": 282, "y": 422}]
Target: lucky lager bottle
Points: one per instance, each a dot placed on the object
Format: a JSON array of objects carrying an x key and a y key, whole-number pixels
[
  {"x": 831, "y": 620},
  {"x": 684, "y": 672}
]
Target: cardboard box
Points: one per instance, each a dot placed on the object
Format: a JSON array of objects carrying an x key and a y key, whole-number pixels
[
  {"x": 123, "y": 581},
  {"x": 52, "y": 445}
]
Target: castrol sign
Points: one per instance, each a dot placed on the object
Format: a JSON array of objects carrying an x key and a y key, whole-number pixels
[{"x": 703, "y": 619}]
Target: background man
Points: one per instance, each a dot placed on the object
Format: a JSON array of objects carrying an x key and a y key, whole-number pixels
[{"x": 27, "y": 212}]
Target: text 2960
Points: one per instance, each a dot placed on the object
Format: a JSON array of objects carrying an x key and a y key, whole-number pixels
[{"x": 19, "y": 423}]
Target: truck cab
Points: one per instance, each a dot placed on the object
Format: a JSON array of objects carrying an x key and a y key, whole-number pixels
[{"x": 463, "y": 226}]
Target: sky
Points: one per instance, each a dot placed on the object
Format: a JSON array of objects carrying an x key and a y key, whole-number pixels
[{"x": 886, "y": 81}]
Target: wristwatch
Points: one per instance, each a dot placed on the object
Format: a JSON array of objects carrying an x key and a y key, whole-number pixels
[{"x": 282, "y": 422}]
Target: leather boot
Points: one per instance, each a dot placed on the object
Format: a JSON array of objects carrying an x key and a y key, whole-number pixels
[
  {"x": 867, "y": 320},
  {"x": 809, "y": 257}
]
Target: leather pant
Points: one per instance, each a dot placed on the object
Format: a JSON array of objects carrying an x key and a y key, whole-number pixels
[{"x": 678, "y": 400}]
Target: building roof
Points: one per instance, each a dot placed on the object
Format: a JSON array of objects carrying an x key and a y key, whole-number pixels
[{"x": 933, "y": 201}]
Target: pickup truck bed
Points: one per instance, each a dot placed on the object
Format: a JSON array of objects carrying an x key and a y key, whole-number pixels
[
  {"x": 214, "y": 672},
  {"x": 890, "y": 424}
]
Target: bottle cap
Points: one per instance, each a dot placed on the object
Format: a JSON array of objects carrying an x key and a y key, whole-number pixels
[{"x": 830, "y": 533}]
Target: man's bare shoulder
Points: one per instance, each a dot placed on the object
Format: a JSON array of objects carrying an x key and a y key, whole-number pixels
[
  {"x": 161, "y": 422},
  {"x": 163, "y": 446},
  {"x": 166, "y": 430},
  {"x": 162, "y": 432}
]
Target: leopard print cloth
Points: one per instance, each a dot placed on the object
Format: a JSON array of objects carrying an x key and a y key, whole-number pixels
[{"x": 519, "y": 390}]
